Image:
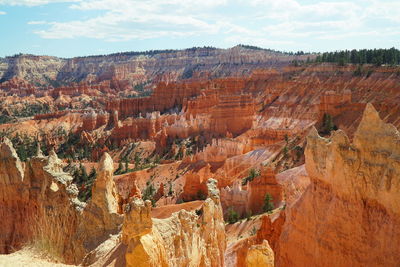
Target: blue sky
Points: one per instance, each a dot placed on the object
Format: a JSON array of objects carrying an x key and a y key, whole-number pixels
[{"x": 68, "y": 28}]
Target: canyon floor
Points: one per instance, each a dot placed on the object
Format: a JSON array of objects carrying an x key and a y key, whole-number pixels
[
  {"x": 27, "y": 257},
  {"x": 201, "y": 157}
]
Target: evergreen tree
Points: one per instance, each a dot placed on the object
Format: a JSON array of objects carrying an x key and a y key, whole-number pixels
[
  {"x": 119, "y": 169},
  {"x": 148, "y": 193},
  {"x": 77, "y": 176},
  {"x": 268, "y": 204},
  {"x": 93, "y": 173},
  {"x": 126, "y": 165},
  {"x": 137, "y": 161},
  {"x": 22, "y": 153},
  {"x": 170, "y": 191},
  {"x": 365, "y": 56},
  {"x": 327, "y": 124},
  {"x": 84, "y": 175},
  {"x": 233, "y": 216}
]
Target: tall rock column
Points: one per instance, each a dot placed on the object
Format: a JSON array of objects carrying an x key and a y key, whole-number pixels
[
  {"x": 137, "y": 223},
  {"x": 184, "y": 239},
  {"x": 100, "y": 218},
  {"x": 213, "y": 226}
]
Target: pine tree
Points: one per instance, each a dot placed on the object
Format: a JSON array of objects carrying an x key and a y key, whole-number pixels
[
  {"x": 126, "y": 165},
  {"x": 148, "y": 193},
  {"x": 268, "y": 204},
  {"x": 327, "y": 124},
  {"x": 84, "y": 176},
  {"x": 93, "y": 173},
  {"x": 22, "y": 153},
  {"x": 233, "y": 216},
  {"x": 119, "y": 169}
]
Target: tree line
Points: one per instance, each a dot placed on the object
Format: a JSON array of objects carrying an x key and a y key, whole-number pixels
[{"x": 364, "y": 56}]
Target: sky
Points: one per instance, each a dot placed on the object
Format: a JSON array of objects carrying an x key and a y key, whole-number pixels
[{"x": 68, "y": 28}]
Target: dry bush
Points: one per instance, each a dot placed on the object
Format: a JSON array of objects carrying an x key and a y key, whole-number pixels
[{"x": 49, "y": 231}]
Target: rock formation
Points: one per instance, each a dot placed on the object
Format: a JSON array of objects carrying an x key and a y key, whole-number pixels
[
  {"x": 349, "y": 215},
  {"x": 260, "y": 256},
  {"x": 100, "y": 218},
  {"x": 40, "y": 206},
  {"x": 13, "y": 203},
  {"x": 39, "y": 203},
  {"x": 116, "y": 69},
  {"x": 183, "y": 239},
  {"x": 175, "y": 119},
  {"x": 251, "y": 200}
]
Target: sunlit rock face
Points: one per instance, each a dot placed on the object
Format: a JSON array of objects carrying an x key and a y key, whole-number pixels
[
  {"x": 183, "y": 239},
  {"x": 341, "y": 207},
  {"x": 120, "y": 70},
  {"x": 38, "y": 203},
  {"x": 260, "y": 256},
  {"x": 100, "y": 218},
  {"x": 349, "y": 215}
]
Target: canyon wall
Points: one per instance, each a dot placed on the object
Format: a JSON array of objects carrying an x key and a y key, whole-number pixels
[
  {"x": 39, "y": 207},
  {"x": 136, "y": 67},
  {"x": 39, "y": 203},
  {"x": 349, "y": 215}
]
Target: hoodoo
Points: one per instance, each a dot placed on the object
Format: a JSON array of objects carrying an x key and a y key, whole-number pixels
[
  {"x": 349, "y": 215},
  {"x": 201, "y": 157}
]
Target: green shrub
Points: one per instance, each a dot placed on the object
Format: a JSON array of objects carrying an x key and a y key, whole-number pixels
[
  {"x": 148, "y": 193},
  {"x": 253, "y": 231},
  {"x": 327, "y": 124},
  {"x": 253, "y": 173},
  {"x": 268, "y": 204},
  {"x": 233, "y": 216}
]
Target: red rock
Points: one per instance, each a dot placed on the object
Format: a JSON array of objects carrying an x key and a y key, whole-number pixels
[{"x": 348, "y": 214}]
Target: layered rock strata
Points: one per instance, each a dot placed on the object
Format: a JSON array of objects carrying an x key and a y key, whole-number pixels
[{"x": 349, "y": 215}]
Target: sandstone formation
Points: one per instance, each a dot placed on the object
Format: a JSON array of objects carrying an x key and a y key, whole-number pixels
[
  {"x": 12, "y": 207},
  {"x": 163, "y": 122},
  {"x": 348, "y": 216},
  {"x": 184, "y": 239},
  {"x": 39, "y": 203},
  {"x": 251, "y": 200},
  {"x": 100, "y": 218},
  {"x": 40, "y": 206},
  {"x": 141, "y": 66},
  {"x": 260, "y": 256}
]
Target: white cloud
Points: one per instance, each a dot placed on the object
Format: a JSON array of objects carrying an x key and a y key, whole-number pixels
[
  {"x": 33, "y": 2},
  {"x": 257, "y": 41},
  {"x": 126, "y": 20},
  {"x": 36, "y": 22},
  {"x": 259, "y": 22},
  {"x": 2, "y": 13}
]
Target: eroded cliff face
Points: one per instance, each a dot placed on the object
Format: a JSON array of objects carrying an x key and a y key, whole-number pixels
[
  {"x": 349, "y": 215},
  {"x": 40, "y": 207},
  {"x": 184, "y": 239},
  {"x": 39, "y": 203},
  {"x": 249, "y": 200},
  {"x": 14, "y": 197},
  {"x": 140, "y": 67}
]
